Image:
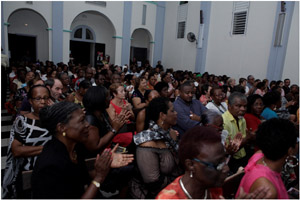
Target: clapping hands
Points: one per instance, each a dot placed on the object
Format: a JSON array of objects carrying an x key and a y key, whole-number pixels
[
  {"x": 233, "y": 145},
  {"x": 120, "y": 160}
]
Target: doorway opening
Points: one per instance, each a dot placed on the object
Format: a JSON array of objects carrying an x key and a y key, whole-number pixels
[{"x": 22, "y": 47}]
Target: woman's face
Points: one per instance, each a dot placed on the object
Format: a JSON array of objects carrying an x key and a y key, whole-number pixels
[
  {"x": 29, "y": 76},
  {"x": 164, "y": 92},
  {"x": 53, "y": 74},
  {"x": 218, "y": 124},
  {"x": 171, "y": 117},
  {"x": 77, "y": 127},
  {"x": 257, "y": 107},
  {"x": 143, "y": 84},
  {"x": 211, "y": 153},
  {"x": 120, "y": 93},
  {"x": 40, "y": 97},
  {"x": 218, "y": 96}
]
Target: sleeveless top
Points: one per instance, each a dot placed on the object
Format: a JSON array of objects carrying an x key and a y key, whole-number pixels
[{"x": 253, "y": 171}]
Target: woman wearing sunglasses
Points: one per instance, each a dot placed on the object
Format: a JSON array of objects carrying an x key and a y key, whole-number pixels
[{"x": 203, "y": 157}]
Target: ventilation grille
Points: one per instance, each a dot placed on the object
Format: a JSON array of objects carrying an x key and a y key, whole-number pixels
[{"x": 239, "y": 23}]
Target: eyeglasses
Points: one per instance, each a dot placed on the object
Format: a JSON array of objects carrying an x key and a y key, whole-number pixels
[
  {"x": 217, "y": 167},
  {"x": 39, "y": 98}
]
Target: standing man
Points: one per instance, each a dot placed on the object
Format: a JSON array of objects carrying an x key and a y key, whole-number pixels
[
  {"x": 188, "y": 110},
  {"x": 286, "y": 86},
  {"x": 88, "y": 76},
  {"x": 235, "y": 124}
]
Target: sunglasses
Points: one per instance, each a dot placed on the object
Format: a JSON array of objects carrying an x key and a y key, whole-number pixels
[{"x": 217, "y": 167}]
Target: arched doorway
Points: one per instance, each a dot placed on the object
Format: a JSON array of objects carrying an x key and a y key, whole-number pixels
[
  {"x": 28, "y": 38},
  {"x": 92, "y": 35},
  {"x": 140, "y": 45}
]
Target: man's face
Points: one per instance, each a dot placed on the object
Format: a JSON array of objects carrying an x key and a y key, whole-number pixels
[
  {"x": 238, "y": 108},
  {"x": 56, "y": 90},
  {"x": 100, "y": 80},
  {"x": 287, "y": 83},
  {"x": 251, "y": 80},
  {"x": 88, "y": 73},
  {"x": 186, "y": 93},
  {"x": 115, "y": 78}
]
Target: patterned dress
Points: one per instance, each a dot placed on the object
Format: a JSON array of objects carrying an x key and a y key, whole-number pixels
[{"x": 29, "y": 133}]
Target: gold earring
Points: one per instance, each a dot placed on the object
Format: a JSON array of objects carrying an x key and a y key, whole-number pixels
[{"x": 64, "y": 134}]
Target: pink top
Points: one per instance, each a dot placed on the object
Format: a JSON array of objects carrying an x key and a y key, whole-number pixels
[{"x": 253, "y": 171}]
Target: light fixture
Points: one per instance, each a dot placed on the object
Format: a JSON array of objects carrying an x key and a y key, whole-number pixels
[{"x": 26, "y": 24}]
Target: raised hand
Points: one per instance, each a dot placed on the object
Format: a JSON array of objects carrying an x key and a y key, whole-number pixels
[
  {"x": 174, "y": 134},
  {"x": 120, "y": 160},
  {"x": 102, "y": 165}
]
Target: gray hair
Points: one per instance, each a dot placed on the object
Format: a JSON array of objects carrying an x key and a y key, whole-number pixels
[
  {"x": 209, "y": 116},
  {"x": 236, "y": 95}
]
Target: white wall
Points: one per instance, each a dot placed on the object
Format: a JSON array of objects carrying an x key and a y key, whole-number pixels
[
  {"x": 291, "y": 65},
  {"x": 240, "y": 55},
  {"x": 180, "y": 53},
  {"x": 113, "y": 11},
  {"x": 136, "y": 23},
  {"x": 36, "y": 27},
  {"x": 44, "y": 9}
]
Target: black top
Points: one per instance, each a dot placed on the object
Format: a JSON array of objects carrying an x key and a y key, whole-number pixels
[{"x": 56, "y": 176}]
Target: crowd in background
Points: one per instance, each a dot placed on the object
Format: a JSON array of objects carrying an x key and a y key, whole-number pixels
[{"x": 153, "y": 132}]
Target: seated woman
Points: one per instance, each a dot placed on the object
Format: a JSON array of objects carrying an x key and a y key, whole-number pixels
[
  {"x": 272, "y": 100},
  {"x": 27, "y": 139},
  {"x": 77, "y": 96},
  {"x": 102, "y": 130},
  {"x": 276, "y": 139},
  {"x": 138, "y": 99},
  {"x": 59, "y": 171},
  {"x": 253, "y": 116},
  {"x": 204, "y": 159},
  {"x": 156, "y": 153},
  {"x": 117, "y": 104},
  {"x": 217, "y": 103},
  {"x": 140, "y": 119}
]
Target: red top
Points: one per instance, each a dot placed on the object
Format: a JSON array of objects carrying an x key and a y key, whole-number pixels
[
  {"x": 124, "y": 139},
  {"x": 174, "y": 191},
  {"x": 117, "y": 108},
  {"x": 252, "y": 121}
]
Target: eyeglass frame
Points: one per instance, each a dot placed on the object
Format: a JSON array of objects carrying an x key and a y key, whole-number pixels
[
  {"x": 217, "y": 167},
  {"x": 39, "y": 98}
]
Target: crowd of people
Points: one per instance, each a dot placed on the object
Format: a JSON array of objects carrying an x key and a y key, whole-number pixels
[{"x": 153, "y": 133}]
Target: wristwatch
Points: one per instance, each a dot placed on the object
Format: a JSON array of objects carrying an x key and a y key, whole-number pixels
[
  {"x": 97, "y": 184},
  {"x": 114, "y": 131}
]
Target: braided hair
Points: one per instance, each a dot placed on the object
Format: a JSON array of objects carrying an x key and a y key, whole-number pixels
[{"x": 60, "y": 112}]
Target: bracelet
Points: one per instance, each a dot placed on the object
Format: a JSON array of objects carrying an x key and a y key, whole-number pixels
[{"x": 97, "y": 184}]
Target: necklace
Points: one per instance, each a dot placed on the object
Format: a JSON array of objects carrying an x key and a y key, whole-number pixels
[
  {"x": 74, "y": 156},
  {"x": 187, "y": 193},
  {"x": 263, "y": 161}
]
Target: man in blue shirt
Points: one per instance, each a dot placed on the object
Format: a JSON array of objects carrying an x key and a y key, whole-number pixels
[{"x": 188, "y": 110}]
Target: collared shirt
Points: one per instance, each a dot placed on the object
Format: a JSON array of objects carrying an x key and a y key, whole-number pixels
[
  {"x": 183, "y": 110},
  {"x": 230, "y": 124}
]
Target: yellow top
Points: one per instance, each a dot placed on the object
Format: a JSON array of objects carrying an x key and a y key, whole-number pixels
[{"x": 230, "y": 125}]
